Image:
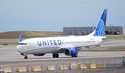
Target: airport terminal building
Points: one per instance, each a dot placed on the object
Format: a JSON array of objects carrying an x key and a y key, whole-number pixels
[{"x": 110, "y": 30}]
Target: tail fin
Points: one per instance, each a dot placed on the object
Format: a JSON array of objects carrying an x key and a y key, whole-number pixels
[{"x": 100, "y": 28}]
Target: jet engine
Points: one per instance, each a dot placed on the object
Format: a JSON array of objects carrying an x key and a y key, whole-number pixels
[{"x": 72, "y": 52}]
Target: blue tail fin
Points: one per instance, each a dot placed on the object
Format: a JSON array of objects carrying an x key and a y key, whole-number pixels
[{"x": 100, "y": 29}]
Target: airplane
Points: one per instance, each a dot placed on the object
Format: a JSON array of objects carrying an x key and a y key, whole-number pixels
[{"x": 69, "y": 45}]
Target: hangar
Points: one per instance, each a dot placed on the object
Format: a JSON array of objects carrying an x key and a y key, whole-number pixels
[{"x": 110, "y": 30}]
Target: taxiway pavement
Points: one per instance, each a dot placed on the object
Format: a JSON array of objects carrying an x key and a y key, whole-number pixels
[{"x": 9, "y": 53}]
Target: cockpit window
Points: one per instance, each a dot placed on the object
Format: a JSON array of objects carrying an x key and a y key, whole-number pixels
[{"x": 22, "y": 43}]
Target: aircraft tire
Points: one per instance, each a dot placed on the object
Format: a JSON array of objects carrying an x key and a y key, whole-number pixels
[
  {"x": 55, "y": 55},
  {"x": 25, "y": 57}
]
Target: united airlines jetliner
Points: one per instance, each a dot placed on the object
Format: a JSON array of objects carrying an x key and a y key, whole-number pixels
[{"x": 69, "y": 45}]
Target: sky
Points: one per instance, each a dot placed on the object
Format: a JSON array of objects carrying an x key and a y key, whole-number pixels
[{"x": 53, "y": 15}]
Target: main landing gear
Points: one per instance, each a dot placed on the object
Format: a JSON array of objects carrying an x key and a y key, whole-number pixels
[
  {"x": 55, "y": 55},
  {"x": 25, "y": 57}
]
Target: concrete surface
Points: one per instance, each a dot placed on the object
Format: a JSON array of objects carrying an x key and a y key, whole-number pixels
[
  {"x": 87, "y": 61},
  {"x": 9, "y": 53}
]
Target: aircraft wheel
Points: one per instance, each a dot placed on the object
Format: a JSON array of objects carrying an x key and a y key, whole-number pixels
[
  {"x": 25, "y": 57},
  {"x": 55, "y": 55}
]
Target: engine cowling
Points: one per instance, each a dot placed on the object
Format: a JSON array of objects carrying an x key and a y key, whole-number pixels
[
  {"x": 40, "y": 54},
  {"x": 72, "y": 52}
]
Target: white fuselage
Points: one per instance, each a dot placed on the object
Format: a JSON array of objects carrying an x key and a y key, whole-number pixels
[
  {"x": 53, "y": 44},
  {"x": 66, "y": 44}
]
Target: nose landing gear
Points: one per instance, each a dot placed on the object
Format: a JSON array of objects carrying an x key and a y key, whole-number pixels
[{"x": 25, "y": 56}]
